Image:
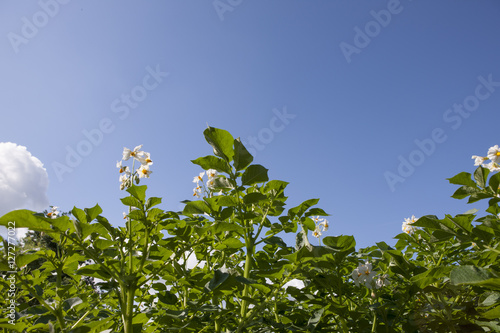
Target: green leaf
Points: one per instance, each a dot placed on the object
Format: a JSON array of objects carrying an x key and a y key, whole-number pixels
[
  {"x": 481, "y": 175},
  {"x": 138, "y": 192},
  {"x": 217, "y": 280},
  {"x": 493, "y": 313},
  {"x": 469, "y": 275},
  {"x": 242, "y": 158},
  {"x": 301, "y": 241},
  {"x": 494, "y": 182},
  {"x": 274, "y": 240},
  {"x": 309, "y": 224},
  {"x": 221, "y": 142},
  {"x": 18, "y": 327},
  {"x": 253, "y": 198},
  {"x": 301, "y": 209},
  {"x": 226, "y": 226},
  {"x": 196, "y": 207},
  {"x": 316, "y": 211},
  {"x": 430, "y": 276},
  {"x": 167, "y": 297},
  {"x": 315, "y": 319},
  {"x": 137, "y": 214},
  {"x": 93, "y": 212},
  {"x": 463, "y": 178},
  {"x": 79, "y": 214},
  {"x": 221, "y": 183},
  {"x": 24, "y": 259},
  {"x": 261, "y": 287},
  {"x": 275, "y": 187},
  {"x": 94, "y": 270},
  {"x": 225, "y": 201},
  {"x": 24, "y": 218},
  {"x": 464, "y": 222},
  {"x": 212, "y": 162},
  {"x": 254, "y": 174},
  {"x": 232, "y": 243},
  {"x": 72, "y": 302},
  {"x": 131, "y": 201},
  {"x": 428, "y": 221},
  {"x": 465, "y": 191},
  {"x": 153, "y": 201},
  {"x": 340, "y": 243}
]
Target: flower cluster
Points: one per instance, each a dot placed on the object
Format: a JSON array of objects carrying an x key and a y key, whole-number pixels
[
  {"x": 494, "y": 157},
  {"x": 201, "y": 186},
  {"x": 321, "y": 226},
  {"x": 364, "y": 275},
  {"x": 127, "y": 177},
  {"x": 54, "y": 213},
  {"x": 407, "y": 225}
]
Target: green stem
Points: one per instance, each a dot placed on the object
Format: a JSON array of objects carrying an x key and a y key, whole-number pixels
[
  {"x": 129, "y": 310},
  {"x": 246, "y": 275}
]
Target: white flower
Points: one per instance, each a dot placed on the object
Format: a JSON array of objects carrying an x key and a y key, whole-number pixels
[
  {"x": 144, "y": 171},
  {"x": 122, "y": 168},
  {"x": 492, "y": 166},
  {"x": 407, "y": 225},
  {"x": 382, "y": 281},
  {"x": 357, "y": 276},
  {"x": 321, "y": 224},
  {"x": 199, "y": 178},
  {"x": 197, "y": 192},
  {"x": 127, "y": 153},
  {"x": 125, "y": 180},
  {"x": 53, "y": 212},
  {"x": 479, "y": 160},
  {"x": 211, "y": 183},
  {"x": 363, "y": 274},
  {"x": 211, "y": 173},
  {"x": 494, "y": 154},
  {"x": 145, "y": 158},
  {"x": 317, "y": 233}
]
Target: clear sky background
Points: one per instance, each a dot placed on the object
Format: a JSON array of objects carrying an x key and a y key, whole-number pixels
[{"x": 367, "y": 105}]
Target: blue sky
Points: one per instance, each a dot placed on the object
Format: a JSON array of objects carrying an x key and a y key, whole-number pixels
[{"x": 334, "y": 97}]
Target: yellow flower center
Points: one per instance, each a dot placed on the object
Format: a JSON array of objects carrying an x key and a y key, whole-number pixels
[
  {"x": 148, "y": 160},
  {"x": 133, "y": 153},
  {"x": 497, "y": 153},
  {"x": 144, "y": 171}
]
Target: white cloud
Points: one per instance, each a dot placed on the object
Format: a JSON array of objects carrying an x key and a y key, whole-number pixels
[
  {"x": 23, "y": 180},
  {"x": 294, "y": 283}
]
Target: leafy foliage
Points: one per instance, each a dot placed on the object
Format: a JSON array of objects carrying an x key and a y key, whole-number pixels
[{"x": 221, "y": 265}]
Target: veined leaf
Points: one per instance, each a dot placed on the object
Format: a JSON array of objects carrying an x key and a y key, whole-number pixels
[
  {"x": 221, "y": 142},
  {"x": 138, "y": 192},
  {"x": 463, "y": 178},
  {"x": 212, "y": 162},
  {"x": 93, "y": 212},
  {"x": 242, "y": 158},
  {"x": 24, "y": 218},
  {"x": 254, "y": 174},
  {"x": 481, "y": 175}
]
